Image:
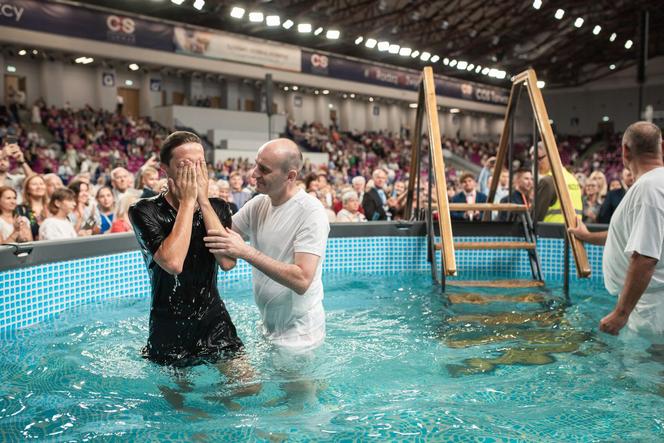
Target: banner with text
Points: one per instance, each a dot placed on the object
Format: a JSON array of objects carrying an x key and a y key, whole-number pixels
[
  {"x": 61, "y": 19},
  {"x": 341, "y": 68},
  {"x": 237, "y": 49}
]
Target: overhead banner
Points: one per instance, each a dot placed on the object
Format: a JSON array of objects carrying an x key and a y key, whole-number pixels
[
  {"x": 56, "y": 18},
  {"x": 237, "y": 49},
  {"x": 342, "y": 68}
]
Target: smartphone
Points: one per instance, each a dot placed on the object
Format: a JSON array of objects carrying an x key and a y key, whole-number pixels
[
  {"x": 89, "y": 223},
  {"x": 11, "y": 139}
]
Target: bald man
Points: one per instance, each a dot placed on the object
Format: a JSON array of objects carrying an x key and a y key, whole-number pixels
[{"x": 288, "y": 232}]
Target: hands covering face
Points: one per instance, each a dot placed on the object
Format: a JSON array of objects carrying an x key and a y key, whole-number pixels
[{"x": 184, "y": 186}]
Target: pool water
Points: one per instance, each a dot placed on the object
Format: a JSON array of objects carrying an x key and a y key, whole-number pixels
[{"x": 401, "y": 362}]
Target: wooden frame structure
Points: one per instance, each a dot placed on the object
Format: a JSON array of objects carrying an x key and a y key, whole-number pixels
[
  {"x": 528, "y": 79},
  {"x": 427, "y": 104}
]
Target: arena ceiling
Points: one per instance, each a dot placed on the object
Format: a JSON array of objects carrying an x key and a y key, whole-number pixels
[{"x": 506, "y": 35}]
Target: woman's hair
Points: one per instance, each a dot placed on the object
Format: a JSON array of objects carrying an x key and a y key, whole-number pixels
[
  {"x": 349, "y": 196},
  {"x": 125, "y": 202},
  {"x": 76, "y": 186},
  {"x": 26, "y": 194},
  {"x": 60, "y": 195},
  {"x": 101, "y": 188}
]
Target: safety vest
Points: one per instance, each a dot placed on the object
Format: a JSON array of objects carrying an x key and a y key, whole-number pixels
[{"x": 555, "y": 213}]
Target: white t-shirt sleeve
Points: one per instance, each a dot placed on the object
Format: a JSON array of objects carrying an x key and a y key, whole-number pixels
[
  {"x": 312, "y": 235},
  {"x": 647, "y": 234},
  {"x": 242, "y": 219}
]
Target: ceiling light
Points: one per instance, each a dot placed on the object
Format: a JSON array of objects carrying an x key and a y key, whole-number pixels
[
  {"x": 470, "y": 67},
  {"x": 478, "y": 68},
  {"x": 405, "y": 52},
  {"x": 316, "y": 92},
  {"x": 394, "y": 49},
  {"x": 129, "y": 82},
  {"x": 198, "y": 4},
  {"x": 22, "y": 52},
  {"x": 286, "y": 88},
  {"x": 605, "y": 118},
  {"x": 134, "y": 67},
  {"x": 318, "y": 31},
  {"x": 371, "y": 99},
  {"x": 295, "y": 87},
  {"x": 628, "y": 44},
  {"x": 455, "y": 110},
  {"x": 330, "y": 105},
  {"x": 560, "y": 13},
  {"x": 236, "y": 12},
  {"x": 537, "y": 4},
  {"x": 79, "y": 60},
  {"x": 486, "y": 71},
  {"x": 35, "y": 52},
  {"x": 462, "y": 65},
  {"x": 415, "y": 53},
  {"x": 435, "y": 59},
  {"x": 272, "y": 20},
  {"x": 501, "y": 75},
  {"x": 352, "y": 95},
  {"x": 425, "y": 56},
  {"x": 412, "y": 105},
  {"x": 453, "y": 63},
  {"x": 304, "y": 28},
  {"x": 11, "y": 68},
  {"x": 288, "y": 24},
  {"x": 370, "y": 43},
  {"x": 493, "y": 72},
  {"x": 345, "y": 95},
  {"x": 446, "y": 61},
  {"x": 541, "y": 84},
  {"x": 578, "y": 22},
  {"x": 332, "y": 34},
  {"x": 255, "y": 17},
  {"x": 597, "y": 29},
  {"x": 613, "y": 37},
  {"x": 326, "y": 91},
  {"x": 612, "y": 66},
  {"x": 359, "y": 40},
  {"x": 383, "y": 46},
  {"x": 179, "y": 2}
]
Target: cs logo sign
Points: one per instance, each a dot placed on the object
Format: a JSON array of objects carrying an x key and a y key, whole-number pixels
[
  {"x": 319, "y": 61},
  {"x": 123, "y": 25}
]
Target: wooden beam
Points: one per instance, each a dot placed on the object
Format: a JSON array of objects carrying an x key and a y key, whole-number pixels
[
  {"x": 496, "y": 283},
  {"x": 546, "y": 134},
  {"x": 505, "y": 207},
  {"x": 435, "y": 145},
  {"x": 416, "y": 148}
]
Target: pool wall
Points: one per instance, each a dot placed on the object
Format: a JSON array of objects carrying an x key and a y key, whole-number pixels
[{"x": 43, "y": 282}]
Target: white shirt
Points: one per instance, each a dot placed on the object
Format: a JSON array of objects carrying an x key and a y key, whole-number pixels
[
  {"x": 291, "y": 321},
  {"x": 56, "y": 229},
  {"x": 638, "y": 226},
  {"x": 6, "y": 229}
]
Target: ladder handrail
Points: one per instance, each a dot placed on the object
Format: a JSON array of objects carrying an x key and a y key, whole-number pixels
[
  {"x": 562, "y": 191},
  {"x": 438, "y": 164}
]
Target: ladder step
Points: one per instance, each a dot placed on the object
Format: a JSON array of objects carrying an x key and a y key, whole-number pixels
[
  {"x": 496, "y": 283},
  {"x": 505, "y": 207},
  {"x": 491, "y": 245},
  {"x": 482, "y": 299}
]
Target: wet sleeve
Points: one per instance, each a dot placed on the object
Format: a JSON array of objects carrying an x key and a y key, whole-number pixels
[
  {"x": 647, "y": 234},
  {"x": 223, "y": 211},
  {"x": 312, "y": 235},
  {"x": 149, "y": 232}
]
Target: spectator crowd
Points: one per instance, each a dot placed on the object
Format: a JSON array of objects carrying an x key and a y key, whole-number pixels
[{"x": 71, "y": 173}]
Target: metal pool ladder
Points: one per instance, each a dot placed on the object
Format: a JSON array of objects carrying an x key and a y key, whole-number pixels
[{"x": 427, "y": 103}]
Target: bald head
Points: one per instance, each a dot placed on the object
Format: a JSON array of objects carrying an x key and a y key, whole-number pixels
[
  {"x": 286, "y": 151},
  {"x": 643, "y": 139}
]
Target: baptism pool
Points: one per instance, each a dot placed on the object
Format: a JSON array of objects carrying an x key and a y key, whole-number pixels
[{"x": 401, "y": 362}]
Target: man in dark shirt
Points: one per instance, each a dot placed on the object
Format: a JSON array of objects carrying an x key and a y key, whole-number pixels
[
  {"x": 522, "y": 194},
  {"x": 188, "y": 320}
]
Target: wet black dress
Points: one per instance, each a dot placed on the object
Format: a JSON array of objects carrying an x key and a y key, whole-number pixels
[{"x": 188, "y": 320}]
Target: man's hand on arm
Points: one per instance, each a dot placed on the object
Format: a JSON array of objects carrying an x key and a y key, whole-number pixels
[
  {"x": 640, "y": 271},
  {"x": 581, "y": 232},
  {"x": 296, "y": 276},
  {"x": 173, "y": 250}
]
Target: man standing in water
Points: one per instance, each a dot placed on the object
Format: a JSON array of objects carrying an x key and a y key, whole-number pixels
[
  {"x": 288, "y": 230},
  {"x": 188, "y": 319},
  {"x": 633, "y": 263}
]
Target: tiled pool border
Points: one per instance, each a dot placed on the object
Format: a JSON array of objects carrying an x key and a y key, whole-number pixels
[{"x": 33, "y": 294}]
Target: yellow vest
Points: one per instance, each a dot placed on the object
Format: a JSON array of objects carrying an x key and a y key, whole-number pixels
[{"x": 555, "y": 214}]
